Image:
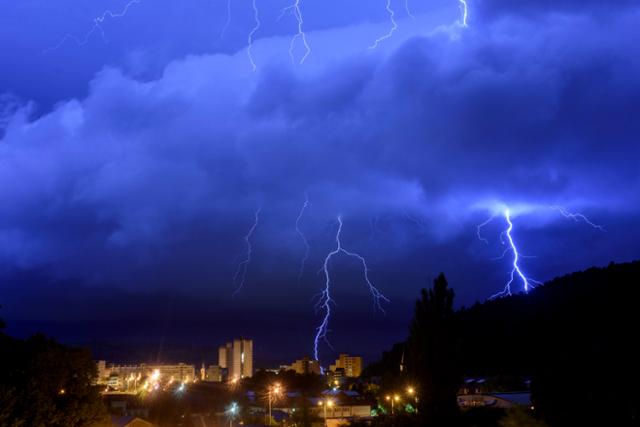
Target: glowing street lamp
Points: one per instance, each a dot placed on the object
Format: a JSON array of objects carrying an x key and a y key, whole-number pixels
[
  {"x": 232, "y": 412},
  {"x": 393, "y": 399},
  {"x": 325, "y": 403},
  {"x": 274, "y": 392},
  {"x": 412, "y": 392}
]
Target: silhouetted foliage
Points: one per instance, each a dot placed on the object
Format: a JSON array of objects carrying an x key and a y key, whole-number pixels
[
  {"x": 43, "y": 383},
  {"x": 432, "y": 357},
  {"x": 575, "y": 338}
]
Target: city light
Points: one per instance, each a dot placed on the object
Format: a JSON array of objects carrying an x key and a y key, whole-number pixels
[
  {"x": 326, "y": 403},
  {"x": 232, "y": 412},
  {"x": 273, "y": 393}
]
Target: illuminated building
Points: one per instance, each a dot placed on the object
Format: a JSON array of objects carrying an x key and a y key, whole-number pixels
[
  {"x": 223, "y": 352},
  {"x": 130, "y": 377},
  {"x": 214, "y": 374},
  {"x": 305, "y": 365},
  {"x": 237, "y": 357},
  {"x": 352, "y": 365}
]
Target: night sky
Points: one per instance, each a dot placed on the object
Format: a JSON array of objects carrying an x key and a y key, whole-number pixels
[{"x": 131, "y": 166}]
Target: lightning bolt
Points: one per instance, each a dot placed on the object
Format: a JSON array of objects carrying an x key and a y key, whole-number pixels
[
  {"x": 527, "y": 283},
  {"x": 408, "y": 10},
  {"x": 302, "y": 236},
  {"x": 577, "y": 217},
  {"x": 479, "y": 229},
  {"x": 296, "y": 10},
  {"x": 241, "y": 271},
  {"x": 394, "y": 26},
  {"x": 228, "y": 21},
  {"x": 464, "y": 9},
  {"x": 97, "y": 26},
  {"x": 256, "y": 18},
  {"x": 325, "y": 300},
  {"x": 506, "y": 238}
]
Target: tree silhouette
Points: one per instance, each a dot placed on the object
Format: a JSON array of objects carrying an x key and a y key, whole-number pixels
[
  {"x": 432, "y": 354},
  {"x": 43, "y": 383}
]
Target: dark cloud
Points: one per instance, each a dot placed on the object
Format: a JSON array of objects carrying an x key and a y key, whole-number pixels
[{"x": 148, "y": 184}]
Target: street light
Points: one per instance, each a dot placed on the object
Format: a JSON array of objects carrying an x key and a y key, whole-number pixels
[
  {"x": 412, "y": 392},
  {"x": 324, "y": 404},
  {"x": 232, "y": 411},
  {"x": 395, "y": 398},
  {"x": 273, "y": 393}
]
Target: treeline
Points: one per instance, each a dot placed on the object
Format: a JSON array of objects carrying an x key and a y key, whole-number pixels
[
  {"x": 575, "y": 338},
  {"x": 46, "y": 384}
]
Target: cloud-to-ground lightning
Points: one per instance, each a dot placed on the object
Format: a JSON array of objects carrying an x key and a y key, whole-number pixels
[
  {"x": 305, "y": 205},
  {"x": 325, "y": 300},
  {"x": 577, "y": 217},
  {"x": 256, "y": 18},
  {"x": 97, "y": 26},
  {"x": 296, "y": 10},
  {"x": 527, "y": 282},
  {"x": 228, "y": 21},
  {"x": 464, "y": 9},
  {"x": 394, "y": 26},
  {"x": 241, "y": 271},
  {"x": 506, "y": 238}
]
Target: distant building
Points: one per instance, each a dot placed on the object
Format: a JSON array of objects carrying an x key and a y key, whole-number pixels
[
  {"x": 180, "y": 372},
  {"x": 223, "y": 351},
  {"x": 336, "y": 377},
  {"x": 352, "y": 365},
  {"x": 130, "y": 377},
  {"x": 304, "y": 366},
  {"x": 214, "y": 374},
  {"x": 237, "y": 358},
  {"x": 495, "y": 400}
]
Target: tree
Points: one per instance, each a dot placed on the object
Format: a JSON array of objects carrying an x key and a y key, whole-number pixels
[
  {"x": 433, "y": 356},
  {"x": 520, "y": 417},
  {"x": 43, "y": 383}
]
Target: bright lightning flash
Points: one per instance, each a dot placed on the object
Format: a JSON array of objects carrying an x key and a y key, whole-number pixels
[
  {"x": 464, "y": 7},
  {"x": 97, "y": 26},
  {"x": 394, "y": 26},
  {"x": 527, "y": 283},
  {"x": 325, "y": 300},
  {"x": 241, "y": 271},
  {"x": 506, "y": 238}
]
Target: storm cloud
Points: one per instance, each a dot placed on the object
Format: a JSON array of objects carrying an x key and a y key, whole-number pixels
[{"x": 151, "y": 182}]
